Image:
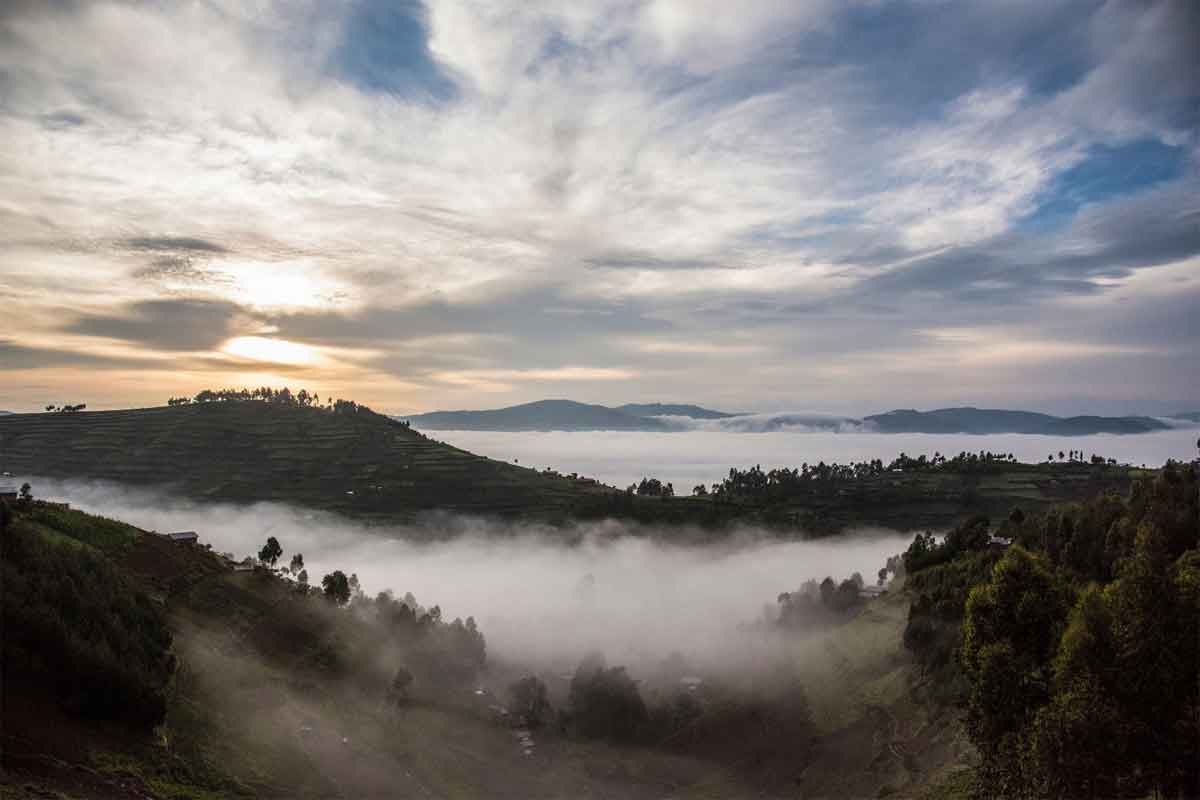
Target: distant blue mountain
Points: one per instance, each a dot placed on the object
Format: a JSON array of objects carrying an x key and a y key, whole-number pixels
[
  {"x": 561, "y": 415},
  {"x": 568, "y": 415},
  {"x": 992, "y": 420}
]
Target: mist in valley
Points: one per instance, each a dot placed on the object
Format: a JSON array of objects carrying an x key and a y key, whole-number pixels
[
  {"x": 542, "y": 596},
  {"x": 704, "y": 453}
]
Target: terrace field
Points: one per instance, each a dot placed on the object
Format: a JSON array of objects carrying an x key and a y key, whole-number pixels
[{"x": 360, "y": 464}]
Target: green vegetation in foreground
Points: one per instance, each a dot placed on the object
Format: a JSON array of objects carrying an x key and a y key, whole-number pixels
[
  {"x": 1075, "y": 649},
  {"x": 342, "y": 457},
  {"x": 69, "y": 612},
  {"x": 270, "y": 688}
]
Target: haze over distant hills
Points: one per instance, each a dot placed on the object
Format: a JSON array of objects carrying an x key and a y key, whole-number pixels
[
  {"x": 568, "y": 415},
  {"x": 562, "y": 415}
]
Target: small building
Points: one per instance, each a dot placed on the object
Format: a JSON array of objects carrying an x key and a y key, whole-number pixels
[
  {"x": 8, "y": 494},
  {"x": 999, "y": 541},
  {"x": 184, "y": 537},
  {"x": 872, "y": 591},
  {"x": 691, "y": 682}
]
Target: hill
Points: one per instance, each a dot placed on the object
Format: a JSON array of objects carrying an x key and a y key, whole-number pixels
[
  {"x": 990, "y": 420},
  {"x": 543, "y": 415},
  {"x": 563, "y": 415},
  {"x": 362, "y": 464},
  {"x": 1190, "y": 416},
  {"x": 273, "y": 690},
  {"x": 568, "y": 415},
  {"x": 672, "y": 410}
]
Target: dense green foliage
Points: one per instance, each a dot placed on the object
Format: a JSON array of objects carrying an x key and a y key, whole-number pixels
[
  {"x": 72, "y": 618},
  {"x": 781, "y": 483},
  {"x": 605, "y": 702},
  {"x": 1080, "y": 645}
]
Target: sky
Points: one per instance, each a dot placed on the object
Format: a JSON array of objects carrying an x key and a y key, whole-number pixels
[{"x": 837, "y": 205}]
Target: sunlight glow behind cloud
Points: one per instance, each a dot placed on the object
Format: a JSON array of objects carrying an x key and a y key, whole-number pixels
[
  {"x": 276, "y": 351},
  {"x": 786, "y": 199}
]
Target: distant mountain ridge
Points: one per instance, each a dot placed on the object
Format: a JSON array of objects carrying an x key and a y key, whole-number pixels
[
  {"x": 568, "y": 415},
  {"x": 995, "y": 420},
  {"x": 561, "y": 415}
]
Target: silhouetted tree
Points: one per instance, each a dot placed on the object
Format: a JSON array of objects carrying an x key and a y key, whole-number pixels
[
  {"x": 336, "y": 587},
  {"x": 270, "y": 552}
]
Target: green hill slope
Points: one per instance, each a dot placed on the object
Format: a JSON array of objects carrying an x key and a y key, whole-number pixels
[
  {"x": 275, "y": 692},
  {"x": 362, "y": 464}
]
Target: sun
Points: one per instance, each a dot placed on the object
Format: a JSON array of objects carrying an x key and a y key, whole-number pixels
[{"x": 274, "y": 351}]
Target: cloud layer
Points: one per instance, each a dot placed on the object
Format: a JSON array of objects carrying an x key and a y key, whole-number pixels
[{"x": 456, "y": 205}]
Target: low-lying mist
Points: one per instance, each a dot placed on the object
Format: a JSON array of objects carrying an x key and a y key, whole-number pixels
[{"x": 541, "y": 595}]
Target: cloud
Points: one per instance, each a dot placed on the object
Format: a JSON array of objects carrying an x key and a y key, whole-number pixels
[
  {"x": 14, "y": 356},
  {"x": 180, "y": 324},
  {"x": 534, "y": 186},
  {"x": 185, "y": 244}
]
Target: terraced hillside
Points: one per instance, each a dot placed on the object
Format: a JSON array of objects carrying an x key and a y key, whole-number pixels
[{"x": 362, "y": 464}]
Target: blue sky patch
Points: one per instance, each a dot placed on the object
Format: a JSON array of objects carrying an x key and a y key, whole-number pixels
[
  {"x": 386, "y": 49},
  {"x": 1106, "y": 173}
]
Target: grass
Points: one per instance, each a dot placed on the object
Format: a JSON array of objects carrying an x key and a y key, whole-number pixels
[{"x": 106, "y": 535}]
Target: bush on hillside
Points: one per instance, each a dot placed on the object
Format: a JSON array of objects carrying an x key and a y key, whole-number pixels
[{"x": 76, "y": 624}]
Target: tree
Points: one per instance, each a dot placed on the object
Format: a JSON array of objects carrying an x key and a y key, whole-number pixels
[
  {"x": 302, "y": 578},
  {"x": 26, "y": 494},
  {"x": 605, "y": 702},
  {"x": 336, "y": 587},
  {"x": 530, "y": 700},
  {"x": 1009, "y": 635},
  {"x": 270, "y": 552},
  {"x": 398, "y": 691},
  {"x": 297, "y": 565}
]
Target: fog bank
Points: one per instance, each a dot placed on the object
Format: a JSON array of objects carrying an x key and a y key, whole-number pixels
[
  {"x": 687, "y": 458},
  {"x": 537, "y": 596}
]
